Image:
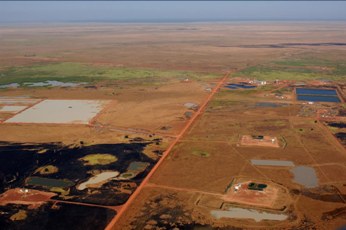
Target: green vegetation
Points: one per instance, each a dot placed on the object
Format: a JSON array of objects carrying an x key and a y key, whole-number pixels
[
  {"x": 220, "y": 103},
  {"x": 127, "y": 175},
  {"x": 78, "y": 72},
  {"x": 296, "y": 69},
  {"x": 305, "y": 62},
  {"x": 48, "y": 182},
  {"x": 46, "y": 170},
  {"x": 200, "y": 153},
  {"x": 98, "y": 159},
  {"x": 61, "y": 191}
]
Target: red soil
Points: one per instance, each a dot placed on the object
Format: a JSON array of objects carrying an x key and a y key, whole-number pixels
[{"x": 32, "y": 198}]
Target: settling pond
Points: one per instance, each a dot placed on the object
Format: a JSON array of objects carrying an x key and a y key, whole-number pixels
[
  {"x": 240, "y": 86},
  {"x": 272, "y": 163},
  {"x": 317, "y": 95},
  {"x": 305, "y": 175}
]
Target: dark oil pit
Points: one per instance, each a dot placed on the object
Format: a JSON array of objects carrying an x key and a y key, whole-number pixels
[{"x": 58, "y": 216}]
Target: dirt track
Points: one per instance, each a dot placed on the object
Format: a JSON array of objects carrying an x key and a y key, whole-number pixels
[{"x": 167, "y": 152}]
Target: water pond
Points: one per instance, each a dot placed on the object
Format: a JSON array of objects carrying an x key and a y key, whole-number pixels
[
  {"x": 308, "y": 91},
  {"x": 305, "y": 175},
  {"x": 272, "y": 163},
  {"x": 241, "y": 86},
  {"x": 318, "y": 98},
  {"x": 242, "y": 213},
  {"x": 322, "y": 95}
]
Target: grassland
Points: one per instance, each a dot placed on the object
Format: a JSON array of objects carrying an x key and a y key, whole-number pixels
[
  {"x": 77, "y": 72},
  {"x": 98, "y": 159},
  {"x": 47, "y": 169},
  {"x": 297, "y": 69}
]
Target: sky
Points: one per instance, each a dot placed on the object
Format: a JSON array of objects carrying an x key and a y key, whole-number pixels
[{"x": 166, "y": 11}]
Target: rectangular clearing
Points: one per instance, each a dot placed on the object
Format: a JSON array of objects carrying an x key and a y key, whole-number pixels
[
  {"x": 60, "y": 112},
  {"x": 12, "y": 108}
]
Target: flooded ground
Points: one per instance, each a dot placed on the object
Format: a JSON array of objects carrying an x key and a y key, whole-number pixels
[
  {"x": 242, "y": 213},
  {"x": 12, "y": 85},
  {"x": 60, "y": 111},
  {"x": 305, "y": 175},
  {"x": 272, "y": 163},
  {"x": 133, "y": 170}
]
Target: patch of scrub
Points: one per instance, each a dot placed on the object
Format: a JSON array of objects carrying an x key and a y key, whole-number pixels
[
  {"x": 52, "y": 84},
  {"x": 191, "y": 105},
  {"x": 60, "y": 112},
  {"x": 46, "y": 170},
  {"x": 137, "y": 166},
  {"x": 200, "y": 153},
  {"x": 305, "y": 175},
  {"x": 12, "y": 108},
  {"x": 272, "y": 163},
  {"x": 48, "y": 182},
  {"x": 98, "y": 159},
  {"x": 20, "y": 215},
  {"x": 270, "y": 104},
  {"x": 98, "y": 180},
  {"x": 133, "y": 170},
  {"x": 242, "y": 213},
  {"x": 61, "y": 191}
]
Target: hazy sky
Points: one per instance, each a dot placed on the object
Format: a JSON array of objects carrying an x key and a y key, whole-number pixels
[{"x": 122, "y": 11}]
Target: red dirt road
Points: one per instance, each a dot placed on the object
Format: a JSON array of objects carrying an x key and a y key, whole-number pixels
[{"x": 166, "y": 153}]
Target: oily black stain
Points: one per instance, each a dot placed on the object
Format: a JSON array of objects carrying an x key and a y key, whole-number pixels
[
  {"x": 57, "y": 216},
  {"x": 20, "y": 160}
]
